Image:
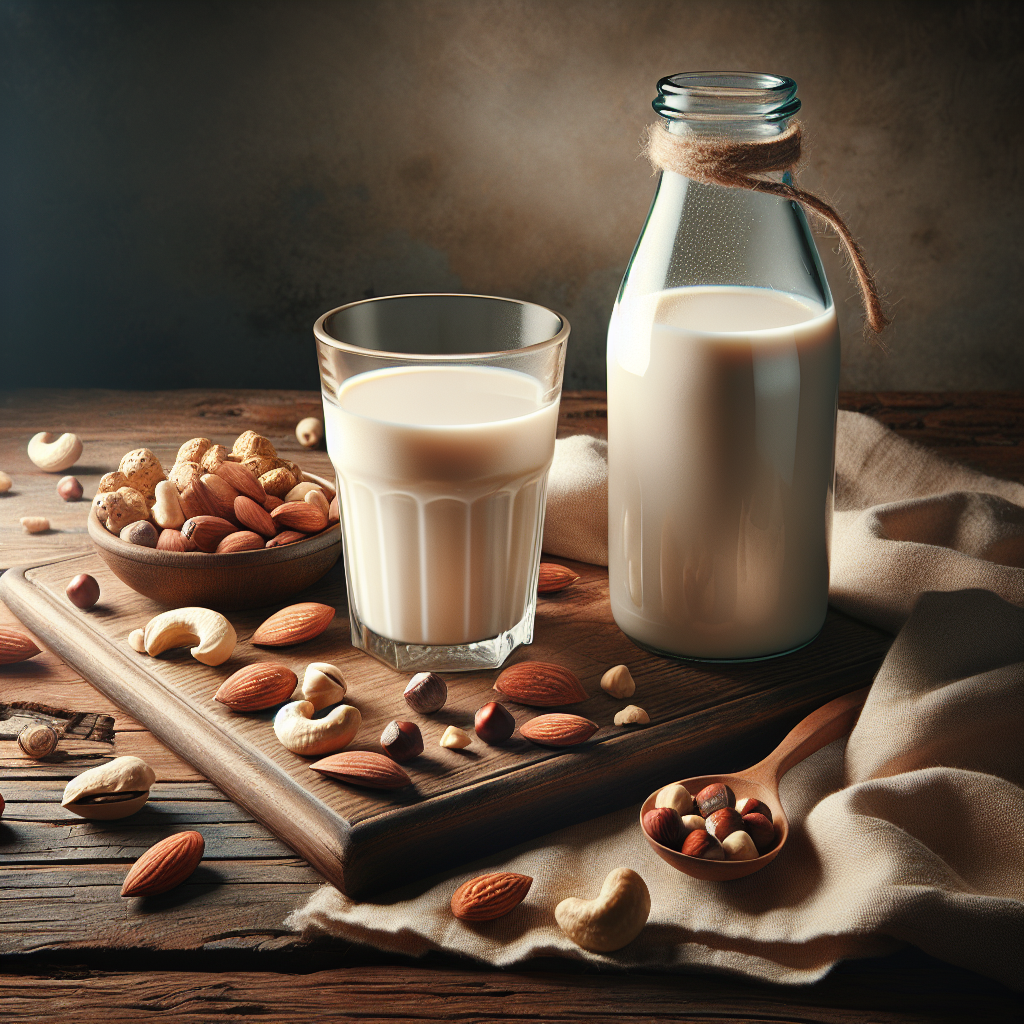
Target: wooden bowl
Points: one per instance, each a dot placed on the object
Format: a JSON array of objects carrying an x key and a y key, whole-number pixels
[{"x": 226, "y": 582}]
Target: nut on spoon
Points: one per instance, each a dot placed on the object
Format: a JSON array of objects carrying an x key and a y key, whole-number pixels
[{"x": 817, "y": 730}]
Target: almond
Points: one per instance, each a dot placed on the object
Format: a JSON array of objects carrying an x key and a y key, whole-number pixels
[
  {"x": 171, "y": 540},
  {"x": 15, "y": 646},
  {"x": 206, "y": 532},
  {"x": 272, "y": 502},
  {"x": 299, "y": 515},
  {"x": 540, "y": 684},
  {"x": 294, "y": 625},
  {"x": 553, "y": 578},
  {"x": 285, "y": 537},
  {"x": 165, "y": 865},
  {"x": 242, "y": 480},
  {"x": 334, "y": 511},
  {"x": 558, "y": 730},
  {"x": 240, "y": 540},
  {"x": 257, "y": 687},
  {"x": 490, "y": 896},
  {"x": 196, "y": 499},
  {"x": 221, "y": 493},
  {"x": 254, "y": 517},
  {"x": 363, "y": 768}
]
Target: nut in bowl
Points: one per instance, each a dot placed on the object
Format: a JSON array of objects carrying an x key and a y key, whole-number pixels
[
  {"x": 224, "y": 575},
  {"x": 716, "y": 861}
]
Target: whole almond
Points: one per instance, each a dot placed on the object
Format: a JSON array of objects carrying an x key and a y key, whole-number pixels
[
  {"x": 165, "y": 865},
  {"x": 294, "y": 625},
  {"x": 171, "y": 540},
  {"x": 254, "y": 517},
  {"x": 363, "y": 768},
  {"x": 490, "y": 896},
  {"x": 665, "y": 826},
  {"x": 240, "y": 540},
  {"x": 257, "y": 687},
  {"x": 558, "y": 730},
  {"x": 272, "y": 502},
  {"x": 540, "y": 684},
  {"x": 334, "y": 511},
  {"x": 242, "y": 480},
  {"x": 196, "y": 499},
  {"x": 15, "y": 646},
  {"x": 299, "y": 515},
  {"x": 221, "y": 493},
  {"x": 285, "y": 537},
  {"x": 553, "y": 578},
  {"x": 206, "y": 532}
]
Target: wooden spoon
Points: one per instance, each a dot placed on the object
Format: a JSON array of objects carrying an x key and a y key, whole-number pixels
[{"x": 819, "y": 728}]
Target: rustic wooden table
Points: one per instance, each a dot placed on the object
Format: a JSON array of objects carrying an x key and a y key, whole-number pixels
[{"x": 217, "y": 947}]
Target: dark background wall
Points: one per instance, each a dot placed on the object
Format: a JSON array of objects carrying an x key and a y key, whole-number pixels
[{"x": 188, "y": 184}]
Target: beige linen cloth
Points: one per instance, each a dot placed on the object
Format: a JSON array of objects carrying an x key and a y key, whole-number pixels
[{"x": 911, "y": 831}]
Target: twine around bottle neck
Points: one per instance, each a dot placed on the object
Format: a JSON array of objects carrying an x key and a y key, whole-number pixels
[{"x": 713, "y": 159}]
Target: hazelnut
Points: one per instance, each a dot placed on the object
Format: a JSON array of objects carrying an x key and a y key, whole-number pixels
[
  {"x": 664, "y": 826},
  {"x": 618, "y": 682},
  {"x": 69, "y": 488},
  {"x": 751, "y": 805},
  {"x": 724, "y": 822},
  {"x": 426, "y": 693},
  {"x": 38, "y": 740},
  {"x": 402, "y": 741},
  {"x": 675, "y": 796},
  {"x": 142, "y": 533},
  {"x": 714, "y": 797},
  {"x": 703, "y": 845},
  {"x": 494, "y": 723},
  {"x": 309, "y": 432},
  {"x": 691, "y": 822},
  {"x": 739, "y": 846},
  {"x": 632, "y": 715},
  {"x": 83, "y": 591},
  {"x": 760, "y": 829},
  {"x": 455, "y": 738}
]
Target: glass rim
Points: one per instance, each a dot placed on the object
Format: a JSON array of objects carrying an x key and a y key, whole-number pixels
[{"x": 557, "y": 339}]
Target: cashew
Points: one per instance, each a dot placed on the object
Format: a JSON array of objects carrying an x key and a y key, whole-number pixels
[
  {"x": 613, "y": 919},
  {"x": 137, "y": 640},
  {"x": 309, "y": 432},
  {"x": 54, "y": 455},
  {"x": 5, "y": 482},
  {"x": 302, "y": 734},
  {"x": 618, "y": 682},
  {"x": 35, "y": 524},
  {"x": 317, "y": 500},
  {"x": 210, "y": 631},
  {"x": 323, "y": 685},
  {"x": 632, "y": 715},
  {"x": 300, "y": 490},
  {"x": 167, "y": 512}
]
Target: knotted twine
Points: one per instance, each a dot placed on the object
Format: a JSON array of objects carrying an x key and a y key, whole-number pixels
[{"x": 716, "y": 160}]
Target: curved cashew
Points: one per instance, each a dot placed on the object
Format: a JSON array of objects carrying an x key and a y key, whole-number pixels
[
  {"x": 54, "y": 455},
  {"x": 167, "y": 512},
  {"x": 112, "y": 790},
  {"x": 210, "y": 631},
  {"x": 302, "y": 734},
  {"x": 323, "y": 685},
  {"x": 613, "y": 919},
  {"x": 5, "y": 482},
  {"x": 137, "y": 640}
]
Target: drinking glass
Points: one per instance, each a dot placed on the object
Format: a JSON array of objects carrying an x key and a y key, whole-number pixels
[{"x": 440, "y": 413}]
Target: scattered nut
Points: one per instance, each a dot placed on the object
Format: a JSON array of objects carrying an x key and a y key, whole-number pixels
[
  {"x": 701, "y": 844},
  {"x": 143, "y": 533},
  {"x": 35, "y": 524},
  {"x": 294, "y": 624},
  {"x": 675, "y": 796},
  {"x": 137, "y": 640},
  {"x": 69, "y": 488},
  {"x": 618, "y": 682},
  {"x": 110, "y": 791},
  {"x": 309, "y": 432},
  {"x": 714, "y": 797},
  {"x": 83, "y": 591},
  {"x": 490, "y": 896},
  {"x": 455, "y": 738},
  {"x": 15, "y": 646},
  {"x": 402, "y": 741},
  {"x": 426, "y": 693},
  {"x": 323, "y": 685},
  {"x": 552, "y": 578},
  {"x": 363, "y": 768},
  {"x": 664, "y": 826},
  {"x": 540, "y": 684},
  {"x": 558, "y": 730},
  {"x": 165, "y": 865},
  {"x": 5, "y": 482},
  {"x": 494, "y": 723},
  {"x": 54, "y": 454},
  {"x": 256, "y": 687},
  {"x": 613, "y": 919},
  {"x": 632, "y": 715},
  {"x": 296, "y": 728},
  {"x": 739, "y": 846},
  {"x": 38, "y": 740},
  {"x": 724, "y": 822},
  {"x": 212, "y": 634}
]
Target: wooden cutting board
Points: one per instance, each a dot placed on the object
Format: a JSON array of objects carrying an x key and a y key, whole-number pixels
[{"x": 463, "y": 804}]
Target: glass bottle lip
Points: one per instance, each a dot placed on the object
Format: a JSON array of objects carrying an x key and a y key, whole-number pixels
[{"x": 726, "y": 96}]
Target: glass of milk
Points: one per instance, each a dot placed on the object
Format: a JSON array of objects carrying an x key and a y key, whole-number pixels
[
  {"x": 723, "y": 376},
  {"x": 440, "y": 414}
]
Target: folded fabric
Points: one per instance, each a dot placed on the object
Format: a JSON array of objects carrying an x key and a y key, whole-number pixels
[{"x": 912, "y": 831}]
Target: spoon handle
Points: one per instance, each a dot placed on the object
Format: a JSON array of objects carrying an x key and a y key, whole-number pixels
[{"x": 821, "y": 727}]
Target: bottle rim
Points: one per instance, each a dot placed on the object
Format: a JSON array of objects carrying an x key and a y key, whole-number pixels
[{"x": 726, "y": 96}]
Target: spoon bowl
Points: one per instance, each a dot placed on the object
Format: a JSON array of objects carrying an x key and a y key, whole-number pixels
[{"x": 761, "y": 781}]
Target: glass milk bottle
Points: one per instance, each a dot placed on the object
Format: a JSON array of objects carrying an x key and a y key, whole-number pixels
[{"x": 723, "y": 376}]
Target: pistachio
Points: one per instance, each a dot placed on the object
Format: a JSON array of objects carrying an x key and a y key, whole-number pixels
[{"x": 112, "y": 790}]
